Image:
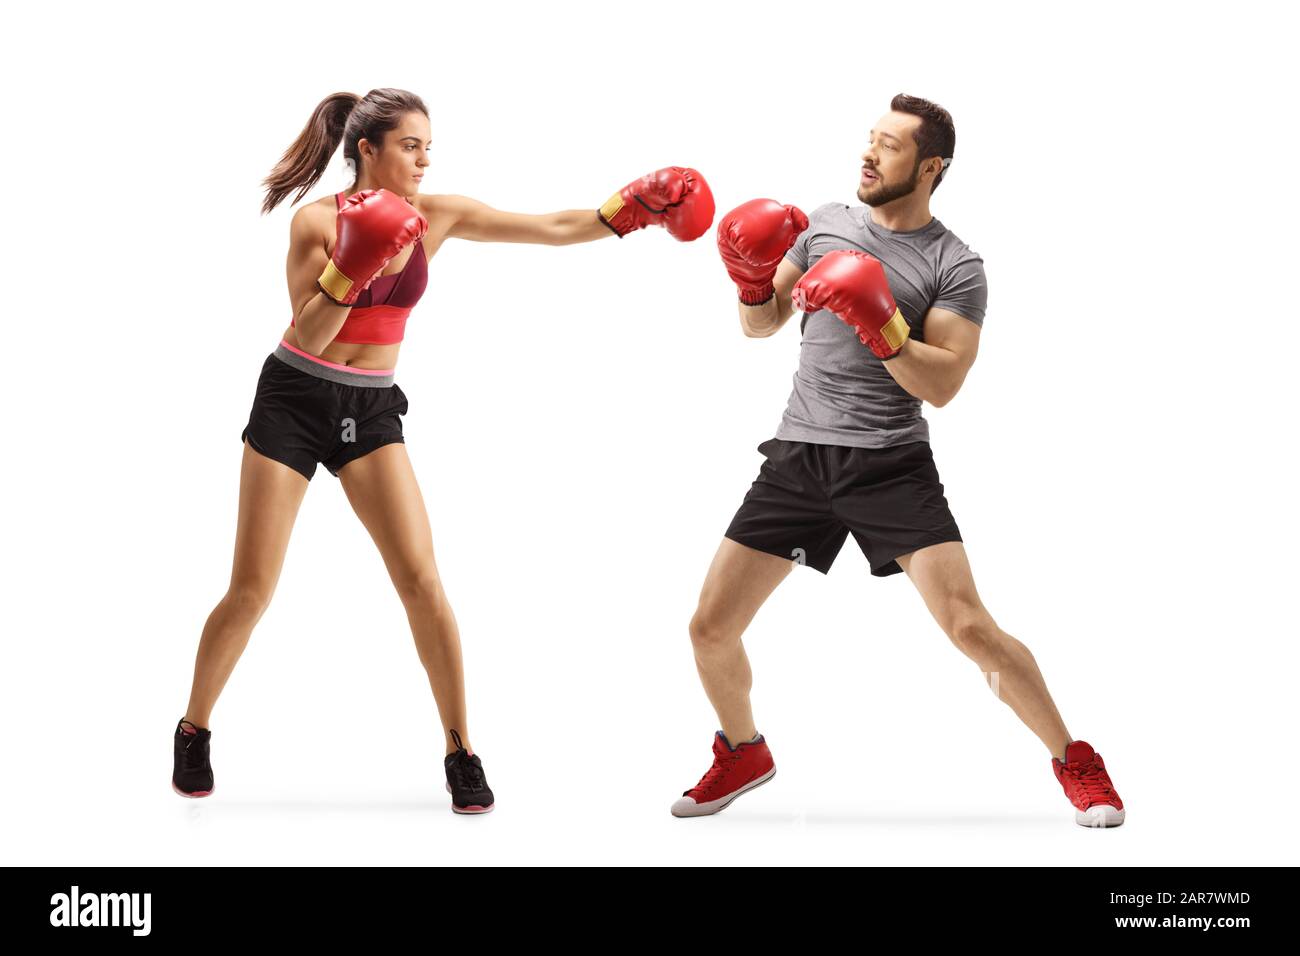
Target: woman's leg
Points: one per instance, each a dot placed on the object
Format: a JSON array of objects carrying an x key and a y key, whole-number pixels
[
  {"x": 270, "y": 494},
  {"x": 382, "y": 489}
]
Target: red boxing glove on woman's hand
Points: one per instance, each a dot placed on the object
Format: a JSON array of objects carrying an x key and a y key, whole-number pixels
[
  {"x": 373, "y": 226},
  {"x": 853, "y": 286},
  {"x": 675, "y": 197},
  {"x": 752, "y": 240}
]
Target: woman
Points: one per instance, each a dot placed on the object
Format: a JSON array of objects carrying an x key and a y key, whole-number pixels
[{"x": 357, "y": 265}]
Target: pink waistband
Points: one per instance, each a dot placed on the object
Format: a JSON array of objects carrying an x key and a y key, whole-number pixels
[{"x": 336, "y": 365}]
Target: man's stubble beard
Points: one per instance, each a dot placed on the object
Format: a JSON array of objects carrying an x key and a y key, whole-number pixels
[{"x": 880, "y": 194}]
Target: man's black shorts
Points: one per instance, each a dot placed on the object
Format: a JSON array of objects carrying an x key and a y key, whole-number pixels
[
  {"x": 807, "y": 499},
  {"x": 307, "y": 410}
]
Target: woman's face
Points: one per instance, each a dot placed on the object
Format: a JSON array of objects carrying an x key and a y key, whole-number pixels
[{"x": 400, "y": 164}]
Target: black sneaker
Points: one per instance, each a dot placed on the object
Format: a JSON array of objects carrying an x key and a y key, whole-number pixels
[
  {"x": 465, "y": 780},
  {"x": 192, "y": 770}
]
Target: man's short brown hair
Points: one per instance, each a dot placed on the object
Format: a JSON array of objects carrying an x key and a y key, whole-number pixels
[{"x": 936, "y": 136}]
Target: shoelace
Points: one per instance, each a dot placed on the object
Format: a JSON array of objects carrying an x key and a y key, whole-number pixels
[
  {"x": 1091, "y": 779},
  {"x": 468, "y": 774},
  {"x": 721, "y": 765},
  {"x": 467, "y": 769},
  {"x": 193, "y": 758}
]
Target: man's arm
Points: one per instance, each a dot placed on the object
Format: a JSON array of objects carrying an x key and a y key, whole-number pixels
[
  {"x": 934, "y": 370},
  {"x": 760, "y": 321},
  {"x": 460, "y": 217}
]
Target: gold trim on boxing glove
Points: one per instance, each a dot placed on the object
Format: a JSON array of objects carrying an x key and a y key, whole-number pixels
[
  {"x": 335, "y": 283},
  {"x": 895, "y": 331},
  {"x": 611, "y": 207}
]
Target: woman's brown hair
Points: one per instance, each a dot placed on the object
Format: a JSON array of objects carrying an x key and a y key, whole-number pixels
[{"x": 340, "y": 117}]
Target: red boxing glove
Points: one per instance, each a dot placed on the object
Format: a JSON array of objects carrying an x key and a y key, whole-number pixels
[
  {"x": 675, "y": 197},
  {"x": 373, "y": 226},
  {"x": 752, "y": 240},
  {"x": 853, "y": 286}
]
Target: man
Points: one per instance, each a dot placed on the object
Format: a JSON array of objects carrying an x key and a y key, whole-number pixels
[{"x": 893, "y": 304}]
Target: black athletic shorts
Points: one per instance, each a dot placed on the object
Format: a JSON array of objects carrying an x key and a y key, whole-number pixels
[
  {"x": 807, "y": 499},
  {"x": 307, "y": 410}
]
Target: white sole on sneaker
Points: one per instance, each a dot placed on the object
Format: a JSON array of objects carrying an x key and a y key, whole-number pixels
[
  {"x": 1100, "y": 816},
  {"x": 686, "y": 807}
]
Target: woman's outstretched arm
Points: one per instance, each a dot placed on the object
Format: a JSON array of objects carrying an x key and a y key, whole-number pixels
[
  {"x": 470, "y": 219},
  {"x": 675, "y": 197}
]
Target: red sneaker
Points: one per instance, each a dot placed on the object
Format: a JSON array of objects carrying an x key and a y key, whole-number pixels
[
  {"x": 1085, "y": 781},
  {"x": 735, "y": 770}
]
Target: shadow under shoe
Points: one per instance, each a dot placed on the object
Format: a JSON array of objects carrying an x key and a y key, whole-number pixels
[{"x": 191, "y": 764}]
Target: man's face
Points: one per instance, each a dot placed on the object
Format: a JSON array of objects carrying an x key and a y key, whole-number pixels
[{"x": 890, "y": 167}]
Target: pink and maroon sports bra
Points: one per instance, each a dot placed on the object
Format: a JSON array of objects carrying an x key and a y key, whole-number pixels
[{"x": 378, "y": 317}]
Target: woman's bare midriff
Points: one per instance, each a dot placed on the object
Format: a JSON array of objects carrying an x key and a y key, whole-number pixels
[{"x": 357, "y": 356}]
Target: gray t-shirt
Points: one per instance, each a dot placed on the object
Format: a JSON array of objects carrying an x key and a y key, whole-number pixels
[{"x": 843, "y": 394}]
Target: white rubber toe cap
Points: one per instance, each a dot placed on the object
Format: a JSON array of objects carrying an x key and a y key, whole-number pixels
[{"x": 1102, "y": 815}]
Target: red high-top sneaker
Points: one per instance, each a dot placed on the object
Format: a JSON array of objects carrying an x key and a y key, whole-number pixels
[
  {"x": 735, "y": 770},
  {"x": 1085, "y": 781}
]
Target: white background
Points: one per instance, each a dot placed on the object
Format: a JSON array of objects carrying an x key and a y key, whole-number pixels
[{"x": 584, "y": 422}]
